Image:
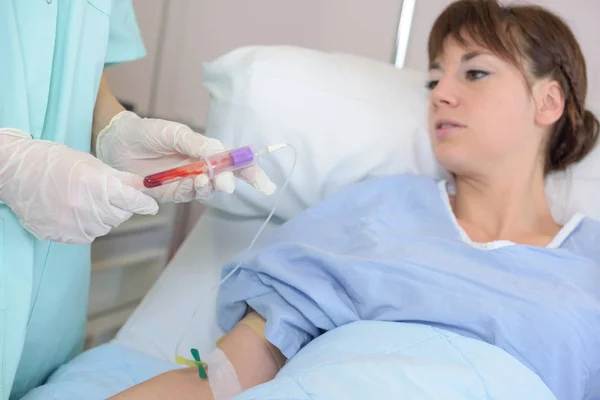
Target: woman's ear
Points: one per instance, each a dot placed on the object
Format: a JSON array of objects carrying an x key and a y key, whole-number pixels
[{"x": 550, "y": 102}]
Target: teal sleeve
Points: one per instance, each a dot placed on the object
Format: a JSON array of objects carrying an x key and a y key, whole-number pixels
[{"x": 124, "y": 41}]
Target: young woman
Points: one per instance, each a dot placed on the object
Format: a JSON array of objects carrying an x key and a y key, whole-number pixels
[{"x": 479, "y": 255}]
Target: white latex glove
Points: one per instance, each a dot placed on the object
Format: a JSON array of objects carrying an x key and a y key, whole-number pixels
[
  {"x": 65, "y": 195},
  {"x": 145, "y": 146}
]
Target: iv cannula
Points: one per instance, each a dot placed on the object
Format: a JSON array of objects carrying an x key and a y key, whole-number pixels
[{"x": 230, "y": 160}]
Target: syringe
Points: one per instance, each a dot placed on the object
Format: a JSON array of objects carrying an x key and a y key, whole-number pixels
[{"x": 230, "y": 160}]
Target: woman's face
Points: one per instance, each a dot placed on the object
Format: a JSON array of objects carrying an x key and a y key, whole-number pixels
[{"x": 481, "y": 112}]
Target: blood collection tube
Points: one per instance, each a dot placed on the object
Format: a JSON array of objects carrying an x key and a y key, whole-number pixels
[{"x": 211, "y": 166}]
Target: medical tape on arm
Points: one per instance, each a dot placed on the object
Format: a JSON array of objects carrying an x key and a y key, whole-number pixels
[
  {"x": 253, "y": 321},
  {"x": 222, "y": 378},
  {"x": 257, "y": 323}
]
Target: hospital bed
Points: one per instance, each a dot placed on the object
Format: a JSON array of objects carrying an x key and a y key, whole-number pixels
[
  {"x": 247, "y": 86},
  {"x": 348, "y": 119},
  {"x": 165, "y": 320}
]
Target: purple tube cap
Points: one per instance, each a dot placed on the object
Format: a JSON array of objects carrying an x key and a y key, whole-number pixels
[{"x": 242, "y": 157}]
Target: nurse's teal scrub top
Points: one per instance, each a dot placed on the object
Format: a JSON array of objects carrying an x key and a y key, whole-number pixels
[{"x": 52, "y": 53}]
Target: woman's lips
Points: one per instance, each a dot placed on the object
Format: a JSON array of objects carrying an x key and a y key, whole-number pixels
[{"x": 447, "y": 127}]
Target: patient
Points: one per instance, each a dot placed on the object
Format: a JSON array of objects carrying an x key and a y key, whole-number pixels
[{"x": 479, "y": 254}]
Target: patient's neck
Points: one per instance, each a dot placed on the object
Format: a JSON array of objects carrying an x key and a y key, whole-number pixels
[{"x": 504, "y": 207}]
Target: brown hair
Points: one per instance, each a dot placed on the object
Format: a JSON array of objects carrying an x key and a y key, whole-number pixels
[{"x": 546, "y": 43}]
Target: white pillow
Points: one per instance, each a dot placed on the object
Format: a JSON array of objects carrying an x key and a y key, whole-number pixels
[{"x": 349, "y": 118}]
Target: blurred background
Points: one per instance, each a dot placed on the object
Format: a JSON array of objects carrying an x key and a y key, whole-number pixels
[{"x": 181, "y": 35}]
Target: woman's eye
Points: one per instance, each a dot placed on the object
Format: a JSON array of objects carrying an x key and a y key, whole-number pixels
[
  {"x": 472, "y": 75},
  {"x": 475, "y": 74},
  {"x": 430, "y": 85}
]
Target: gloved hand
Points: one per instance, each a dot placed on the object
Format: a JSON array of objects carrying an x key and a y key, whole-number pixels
[
  {"x": 144, "y": 146},
  {"x": 65, "y": 195}
]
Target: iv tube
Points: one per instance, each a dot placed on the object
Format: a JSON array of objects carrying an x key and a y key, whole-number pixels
[
  {"x": 212, "y": 165},
  {"x": 202, "y": 301}
]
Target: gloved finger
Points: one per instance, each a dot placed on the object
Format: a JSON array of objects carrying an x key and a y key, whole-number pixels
[
  {"x": 184, "y": 192},
  {"x": 125, "y": 192},
  {"x": 105, "y": 216},
  {"x": 203, "y": 187},
  {"x": 195, "y": 145},
  {"x": 115, "y": 217},
  {"x": 174, "y": 192},
  {"x": 257, "y": 177},
  {"x": 127, "y": 178},
  {"x": 225, "y": 182},
  {"x": 162, "y": 194},
  {"x": 93, "y": 216},
  {"x": 92, "y": 224}
]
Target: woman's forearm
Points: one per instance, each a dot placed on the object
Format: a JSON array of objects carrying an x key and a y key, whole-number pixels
[
  {"x": 255, "y": 361},
  {"x": 182, "y": 384}
]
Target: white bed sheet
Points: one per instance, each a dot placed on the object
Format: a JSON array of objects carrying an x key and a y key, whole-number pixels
[{"x": 162, "y": 325}]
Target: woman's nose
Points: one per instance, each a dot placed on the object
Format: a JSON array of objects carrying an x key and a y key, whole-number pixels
[{"x": 444, "y": 93}]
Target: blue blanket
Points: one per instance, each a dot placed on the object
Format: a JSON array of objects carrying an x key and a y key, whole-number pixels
[
  {"x": 385, "y": 360},
  {"x": 469, "y": 322},
  {"x": 362, "y": 360},
  {"x": 390, "y": 250},
  {"x": 100, "y": 373}
]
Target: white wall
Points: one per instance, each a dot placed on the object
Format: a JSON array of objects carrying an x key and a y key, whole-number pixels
[
  {"x": 201, "y": 30},
  {"x": 134, "y": 81},
  {"x": 197, "y": 31}
]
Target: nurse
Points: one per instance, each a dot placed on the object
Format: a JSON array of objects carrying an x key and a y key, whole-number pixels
[{"x": 55, "y": 197}]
